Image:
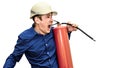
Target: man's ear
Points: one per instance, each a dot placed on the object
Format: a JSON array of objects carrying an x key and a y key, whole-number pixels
[{"x": 37, "y": 20}]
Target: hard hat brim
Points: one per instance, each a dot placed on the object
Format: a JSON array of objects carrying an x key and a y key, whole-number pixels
[{"x": 54, "y": 13}]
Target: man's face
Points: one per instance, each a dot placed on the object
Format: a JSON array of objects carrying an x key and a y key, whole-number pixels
[{"x": 45, "y": 23}]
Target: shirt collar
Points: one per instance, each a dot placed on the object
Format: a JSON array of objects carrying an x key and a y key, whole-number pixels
[{"x": 34, "y": 32}]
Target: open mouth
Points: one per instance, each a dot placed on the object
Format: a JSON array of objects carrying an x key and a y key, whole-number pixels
[{"x": 49, "y": 26}]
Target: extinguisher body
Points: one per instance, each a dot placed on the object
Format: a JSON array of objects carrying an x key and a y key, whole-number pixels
[{"x": 63, "y": 47}]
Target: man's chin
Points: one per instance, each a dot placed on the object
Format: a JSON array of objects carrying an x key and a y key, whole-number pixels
[{"x": 47, "y": 32}]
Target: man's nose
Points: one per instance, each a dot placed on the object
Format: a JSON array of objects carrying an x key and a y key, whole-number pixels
[{"x": 51, "y": 20}]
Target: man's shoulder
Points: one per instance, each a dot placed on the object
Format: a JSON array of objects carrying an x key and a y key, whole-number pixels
[{"x": 27, "y": 34}]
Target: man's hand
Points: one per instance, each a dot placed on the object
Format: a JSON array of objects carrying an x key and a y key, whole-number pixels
[{"x": 72, "y": 27}]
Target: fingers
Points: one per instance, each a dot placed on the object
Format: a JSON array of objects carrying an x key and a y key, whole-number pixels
[{"x": 72, "y": 27}]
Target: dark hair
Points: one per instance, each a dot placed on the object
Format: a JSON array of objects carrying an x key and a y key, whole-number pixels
[
  {"x": 33, "y": 18},
  {"x": 39, "y": 16}
]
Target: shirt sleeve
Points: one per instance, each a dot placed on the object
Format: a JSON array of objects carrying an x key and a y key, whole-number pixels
[{"x": 19, "y": 49}]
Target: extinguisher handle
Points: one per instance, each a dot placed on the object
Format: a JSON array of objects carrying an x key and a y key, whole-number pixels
[
  {"x": 77, "y": 28},
  {"x": 81, "y": 31}
]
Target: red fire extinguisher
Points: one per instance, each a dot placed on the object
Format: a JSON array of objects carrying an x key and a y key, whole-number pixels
[{"x": 63, "y": 47}]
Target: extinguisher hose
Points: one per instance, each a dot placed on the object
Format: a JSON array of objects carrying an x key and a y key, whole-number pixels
[{"x": 77, "y": 28}]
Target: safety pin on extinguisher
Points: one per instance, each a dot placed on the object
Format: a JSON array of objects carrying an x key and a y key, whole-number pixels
[{"x": 57, "y": 22}]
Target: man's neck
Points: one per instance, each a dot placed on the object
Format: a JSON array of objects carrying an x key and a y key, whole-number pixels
[{"x": 38, "y": 30}]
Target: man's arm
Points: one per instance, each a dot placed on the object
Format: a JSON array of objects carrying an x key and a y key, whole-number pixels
[
  {"x": 10, "y": 61},
  {"x": 19, "y": 49}
]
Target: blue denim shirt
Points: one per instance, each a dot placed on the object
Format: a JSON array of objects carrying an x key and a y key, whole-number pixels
[{"x": 39, "y": 50}]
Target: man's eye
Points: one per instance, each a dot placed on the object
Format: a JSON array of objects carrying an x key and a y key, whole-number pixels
[{"x": 48, "y": 16}]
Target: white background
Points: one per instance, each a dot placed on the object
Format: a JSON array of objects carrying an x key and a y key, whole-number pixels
[{"x": 99, "y": 18}]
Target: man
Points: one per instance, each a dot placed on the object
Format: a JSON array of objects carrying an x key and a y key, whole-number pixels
[{"x": 37, "y": 42}]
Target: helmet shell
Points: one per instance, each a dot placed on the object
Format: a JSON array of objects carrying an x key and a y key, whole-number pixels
[{"x": 41, "y": 8}]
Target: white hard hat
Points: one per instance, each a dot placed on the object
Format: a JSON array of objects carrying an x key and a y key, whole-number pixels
[{"x": 41, "y": 8}]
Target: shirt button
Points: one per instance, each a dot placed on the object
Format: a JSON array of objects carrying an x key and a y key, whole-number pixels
[
  {"x": 49, "y": 60},
  {"x": 46, "y": 44},
  {"x": 48, "y": 53}
]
